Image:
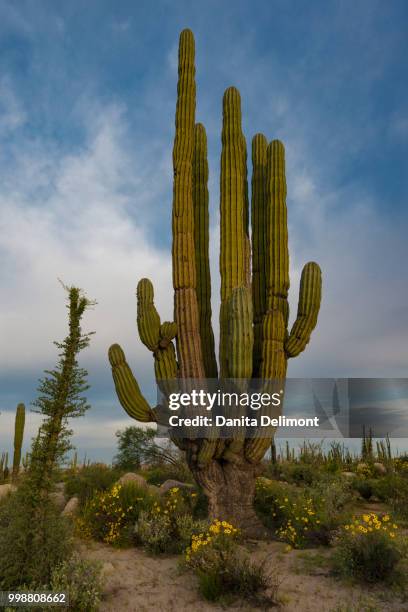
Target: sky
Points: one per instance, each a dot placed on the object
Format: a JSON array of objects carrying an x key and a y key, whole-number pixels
[{"x": 87, "y": 101}]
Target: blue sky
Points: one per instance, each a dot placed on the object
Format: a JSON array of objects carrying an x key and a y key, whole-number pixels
[{"x": 87, "y": 99}]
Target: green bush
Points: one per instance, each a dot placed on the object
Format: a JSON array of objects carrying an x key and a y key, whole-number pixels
[
  {"x": 88, "y": 480},
  {"x": 300, "y": 473},
  {"x": 225, "y": 571},
  {"x": 158, "y": 474},
  {"x": 303, "y": 516},
  {"x": 368, "y": 550},
  {"x": 165, "y": 531},
  {"x": 29, "y": 550},
  {"x": 363, "y": 486},
  {"x": 110, "y": 515},
  {"x": 393, "y": 489},
  {"x": 81, "y": 580}
]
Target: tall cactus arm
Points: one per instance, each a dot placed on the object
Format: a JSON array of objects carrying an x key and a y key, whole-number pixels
[
  {"x": 247, "y": 241},
  {"x": 184, "y": 267},
  {"x": 201, "y": 244},
  {"x": 232, "y": 202},
  {"x": 156, "y": 336},
  {"x": 127, "y": 388},
  {"x": 258, "y": 223},
  {"x": 148, "y": 319},
  {"x": 18, "y": 437},
  {"x": 277, "y": 281},
  {"x": 310, "y": 293}
]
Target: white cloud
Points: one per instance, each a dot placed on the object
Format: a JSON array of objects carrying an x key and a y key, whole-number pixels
[{"x": 76, "y": 217}]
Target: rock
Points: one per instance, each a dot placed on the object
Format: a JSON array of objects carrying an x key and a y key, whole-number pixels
[
  {"x": 171, "y": 484},
  {"x": 71, "y": 507},
  {"x": 132, "y": 477},
  {"x": 58, "y": 498},
  {"x": 379, "y": 468},
  {"x": 349, "y": 474},
  {"x": 5, "y": 489}
]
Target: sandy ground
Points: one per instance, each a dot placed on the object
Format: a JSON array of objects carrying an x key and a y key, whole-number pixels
[{"x": 135, "y": 581}]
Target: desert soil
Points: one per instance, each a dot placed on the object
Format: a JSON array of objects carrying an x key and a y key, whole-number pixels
[{"x": 136, "y": 581}]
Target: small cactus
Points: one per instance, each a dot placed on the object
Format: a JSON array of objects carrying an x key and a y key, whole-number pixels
[{"x": 18, "y": 438}]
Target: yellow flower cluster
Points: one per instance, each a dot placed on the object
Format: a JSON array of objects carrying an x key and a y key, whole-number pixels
[
  {"x": 302, "y": 519},
  {"x": 171, "y": 505},
  {"x": 401, "y": 465},
  {"x": 104, "y": 516},
  {"x": 371, "y": 523},
  {"x": 217, "y": 528}
]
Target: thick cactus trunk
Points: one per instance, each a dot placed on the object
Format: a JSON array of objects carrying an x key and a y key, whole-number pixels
[{"x": 230, "y": 489}]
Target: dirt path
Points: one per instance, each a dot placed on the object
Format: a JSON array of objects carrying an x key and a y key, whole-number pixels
[{"x": 137, "y": 582}]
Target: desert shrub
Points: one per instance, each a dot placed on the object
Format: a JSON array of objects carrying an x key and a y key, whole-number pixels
[
  {"x": 303, "y": 516},
  {"x": 268, "y": 501},
  {"x": 168, "y": 526},
  {"x": 401, "y": 464},
  {"x": 300, "y": 473},
  {"x": 331, "y": 497},
  {"x": 367, "y": 549},
  {"x": 223, "y": 570},
  {"x": 363, "y": 486},
  {"x": 84, "y": 483},
  {"x": 29, "y": 550},
  {"x": 158, "y": 474},
  {"x": 81, "y": 580},
  {"x": 110, "y": 515},
  {"x": 166, "y": 533},
  {"x": 393, "y": 489}
]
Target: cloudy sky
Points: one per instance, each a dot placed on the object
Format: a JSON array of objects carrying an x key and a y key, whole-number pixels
[{"x": 87, "y": 99}]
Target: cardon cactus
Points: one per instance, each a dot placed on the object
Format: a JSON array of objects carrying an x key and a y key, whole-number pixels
[
  {"x": 18, "y": 438},
  {"x": 255, "y": 340}
]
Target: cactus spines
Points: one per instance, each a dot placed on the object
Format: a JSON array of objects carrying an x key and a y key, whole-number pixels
[
  {"x": 18, "y": 438},
  {"x": 259, "y": 246},
  {"x": 201, "y": 245},
  {"x": 184, "y": 267},
  {"x": 254, "y": 311}
]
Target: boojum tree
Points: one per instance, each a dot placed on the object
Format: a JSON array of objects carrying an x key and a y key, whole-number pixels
[{"x": 255, "y": 340}]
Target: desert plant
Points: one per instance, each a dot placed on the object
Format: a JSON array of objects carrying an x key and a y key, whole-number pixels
[
  {"x": 138, "y": 446},
  {"x": 4, "y": 470},
  {"x": 167, "y": 532},
  {"x": 81, "y": 580},
  {"x": 18, "y": 438},
  {"x": 254, "y": 336},
  {"x": 110, "y": 515},
  {"x": 88, "y": 480},
  {"x": 223, "y": 570},
  {"x": 303, "y": 516},
  {"x": 34, "y": 537},
  {"x": 367, "y": 549}
]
